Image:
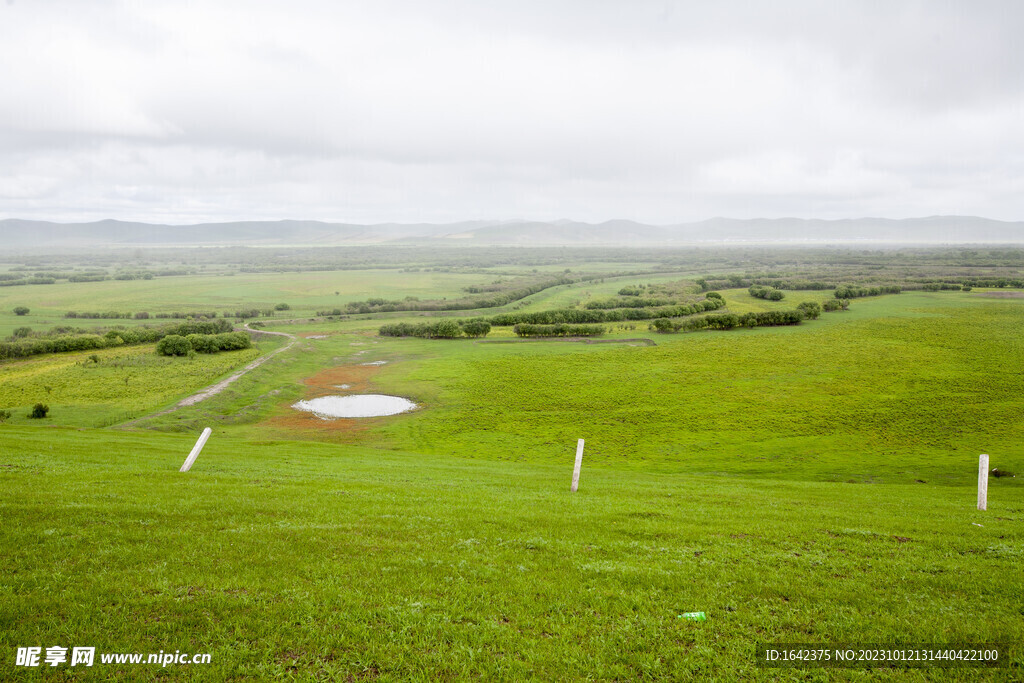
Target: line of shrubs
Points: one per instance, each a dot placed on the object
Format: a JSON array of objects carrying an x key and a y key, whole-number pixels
[
  {"x": 27, "y": 281},
  {"x": 176, "y": 315},
  {"x": 61, "y": 343},
  {"x": 443, "y": 329},
  {"x": 178, "y": 345},
  {"x": 559, "y": 330},
  {"x": 577, "y": 316},
  {"x": 627, "y": 302},
  {"x": 377, "y": 305},
  {"x": 740, "y": 281},
  {"x": 853, "y": 291},
  {"x": 140, "y": 315},
  {"x": 728, "y": 321}
]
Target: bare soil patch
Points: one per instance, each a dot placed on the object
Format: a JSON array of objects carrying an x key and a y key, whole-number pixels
[
  {"x": 326, "y": 383},
  {"x": 1001, "y": 295}
]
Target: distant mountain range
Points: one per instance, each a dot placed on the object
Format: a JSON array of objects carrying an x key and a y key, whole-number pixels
[{"x": 19, "y": 233}]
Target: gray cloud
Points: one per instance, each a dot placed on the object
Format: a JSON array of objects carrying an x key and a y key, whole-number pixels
[{"x": 656, "y": 111}]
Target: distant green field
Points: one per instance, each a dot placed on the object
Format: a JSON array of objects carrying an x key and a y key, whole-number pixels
[{"x": 304, "y": 292}]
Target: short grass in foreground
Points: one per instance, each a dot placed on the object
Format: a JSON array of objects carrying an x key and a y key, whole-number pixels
[{"x": 285, "y": 558}]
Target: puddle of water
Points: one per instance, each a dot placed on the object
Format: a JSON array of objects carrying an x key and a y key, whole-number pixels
[
  {"x": 317, "y": 336},
  {"x": 376, "y": 362},
  {"x": 357, "y": 405},
  {"x": 343, "y": 386}
]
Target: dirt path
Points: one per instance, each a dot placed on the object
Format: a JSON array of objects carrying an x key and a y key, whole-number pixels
[{"x": 220, "y": 386}]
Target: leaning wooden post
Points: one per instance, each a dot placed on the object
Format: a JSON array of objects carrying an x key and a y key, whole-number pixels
[
  {"x": 195, "y": 449},
  {"x": 983, "y": 482},
  {"x": 579, "y": 463}
]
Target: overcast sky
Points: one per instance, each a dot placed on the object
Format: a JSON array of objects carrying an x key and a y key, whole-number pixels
[{"x": 455, "y": 110}]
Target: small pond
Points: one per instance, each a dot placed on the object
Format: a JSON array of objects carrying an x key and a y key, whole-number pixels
[{"x": 355, "y": 405}]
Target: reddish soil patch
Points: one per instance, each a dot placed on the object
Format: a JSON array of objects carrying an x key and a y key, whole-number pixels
[
  {"x": 325, "y": 383},
  {"x": 1001, "y": 295}
]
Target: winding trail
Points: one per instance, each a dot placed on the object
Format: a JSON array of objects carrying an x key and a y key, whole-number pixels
[{"x": 220, "y": 386}]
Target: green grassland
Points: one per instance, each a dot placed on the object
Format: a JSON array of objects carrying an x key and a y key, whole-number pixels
[
  {"x": 122, "y": 383},
  {"x": 806, "y": 484},
  {"x": 283, "y": 559},
  {"x": 899, "y": 388},
  {"x": 304, "y": 292}
]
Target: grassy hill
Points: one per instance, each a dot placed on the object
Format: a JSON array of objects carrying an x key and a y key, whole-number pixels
[{"x": 284, "y": 559}]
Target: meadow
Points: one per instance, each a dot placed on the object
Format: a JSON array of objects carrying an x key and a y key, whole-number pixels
[
  {"x": 310, "y": 561},
  {"x": 108, "y": 386},
  {"x": 805, "y": 484}
]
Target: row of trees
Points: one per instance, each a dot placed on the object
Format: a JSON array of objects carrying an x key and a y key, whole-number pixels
[
  {"x": 560, "y": 330},
  {"x": 176, "y": 315},
  {"x": 442, "y": 329},
  {"x": 627, "y": 302},
  {"x": 28, "y": 281},
  {"x": 854, "y": 291},
  {"x": 944, "y": 286},
  {"x": 728, "y": 321},
  {"x": 178, "y": 345},
  {"x": 492, "y": 300},
  {"x": 577, "y": 316},
  {"x": 41, "y": 343}
]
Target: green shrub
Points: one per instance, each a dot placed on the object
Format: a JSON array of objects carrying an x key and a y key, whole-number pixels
[
  {"x": 476, "y": 328},
  {"x": 39, "y": 411},
  {"x": 20, "y": 310},
  {"x": 811, "y": 309},
  {"x": 173, "y": 345},
  {"x": 447, "y": 329}
]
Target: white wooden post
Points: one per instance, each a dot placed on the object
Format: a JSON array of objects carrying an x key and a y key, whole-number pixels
[
  {"x": 579, "y": 463},
  {"x": 195, "y": 449},
  {"x": 983, "y": 482}
]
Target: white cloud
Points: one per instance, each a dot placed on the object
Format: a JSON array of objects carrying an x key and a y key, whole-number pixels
[{"x": 445, "y": 111}]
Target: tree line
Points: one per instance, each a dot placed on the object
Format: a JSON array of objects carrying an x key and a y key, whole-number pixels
[
  {"x": 627, "y": 302},
  {"x": 176, "y": 315},
  {"x": 492, "y": 300},
  {"x": 578, "y": 316},
  {"x": 559, "y": 330},
  {"x": 854, "y": 291},
  {"x": 62, "y": 340},
  {"x": 728, "y": 321},
  {"x": 442, "y": 329},
  {"x": 27, "y": 281}
]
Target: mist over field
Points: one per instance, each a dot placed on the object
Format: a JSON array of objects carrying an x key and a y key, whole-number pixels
[{"x": 718, "y": 231}]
